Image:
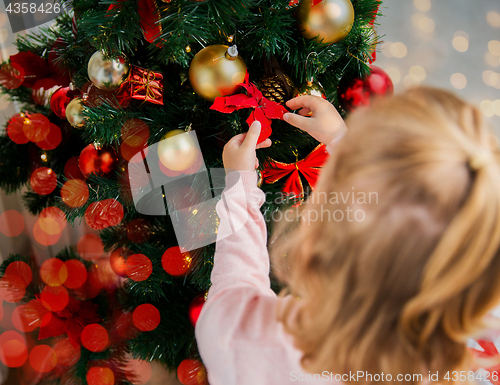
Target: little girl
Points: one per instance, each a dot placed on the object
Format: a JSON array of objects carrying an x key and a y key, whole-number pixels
[{"x": 390, "y": 296}]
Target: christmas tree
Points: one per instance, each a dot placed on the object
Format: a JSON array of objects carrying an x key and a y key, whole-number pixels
[{"x": 120, "y": 94}]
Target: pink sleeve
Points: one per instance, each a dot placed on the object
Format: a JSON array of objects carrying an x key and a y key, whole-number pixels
[
  {"x": 237, "y": 330},
  {"x": 333, "y": 143}
]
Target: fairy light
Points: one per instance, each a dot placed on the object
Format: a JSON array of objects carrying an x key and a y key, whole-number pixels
[{"x": 458, "y": 81}]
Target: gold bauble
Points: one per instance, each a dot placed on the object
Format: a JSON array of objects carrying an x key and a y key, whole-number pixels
[
  {"x": 311, "y": 88},
  {"x": 330, "y": 20},
  {"x": 74, "y": 113},
  {"x": 107, "y": 74},
  {"x": 179, "y": 152},
  {"x": 214, "y": 72}
]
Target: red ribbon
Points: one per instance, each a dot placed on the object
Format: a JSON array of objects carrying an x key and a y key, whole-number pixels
[
  {"x": 263, "y": 109},
  {"x": 71, "y": 320},
  {"x": 490, "y": 351},
  {"x": 309, "y": 168}
]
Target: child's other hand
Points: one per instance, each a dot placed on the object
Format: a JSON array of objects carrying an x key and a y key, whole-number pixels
[
  {"x": 324, "y": 123},
  {"x": 239, "y": 152}
]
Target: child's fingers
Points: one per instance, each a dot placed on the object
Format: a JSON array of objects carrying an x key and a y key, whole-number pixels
[
  {"x": 252, "y": 136},
  {"x": 256, "y": 163},
  {"x": 301, "y": 122},
  {"x": 305, "y": 112},
  {"x": 308, "y": 101},
  {"x": 236, "y": 140},
  {"x": 264, "y": 144}
]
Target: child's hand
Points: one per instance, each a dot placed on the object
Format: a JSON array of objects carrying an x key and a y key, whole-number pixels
[
  {"x": 239, "y": 152},
  {"x": 325, "y": 123}
]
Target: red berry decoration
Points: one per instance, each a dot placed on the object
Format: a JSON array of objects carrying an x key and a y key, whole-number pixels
[
  {"x": 102, "y": 214},
  {"x": 360, "y": 92},
  {"x": 192, "y": 372},
  {"x": 176, "y": 261},
  {"x": 195, "y": 308},
  {"x": 100, "y": 161}
]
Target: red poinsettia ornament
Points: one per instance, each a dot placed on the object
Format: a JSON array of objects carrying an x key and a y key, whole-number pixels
[
  {"x": 309, "y": 168},
  {"x": 263, "y": 109}
]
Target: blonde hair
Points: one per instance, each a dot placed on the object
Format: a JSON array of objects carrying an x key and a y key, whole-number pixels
[{"x": 400, "y": 291}]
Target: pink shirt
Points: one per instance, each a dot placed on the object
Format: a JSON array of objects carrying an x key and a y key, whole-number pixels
[{"x": 239, "y": 338}]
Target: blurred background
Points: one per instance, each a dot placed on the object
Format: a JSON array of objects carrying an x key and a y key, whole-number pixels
[{"x": 452, "y": 44}]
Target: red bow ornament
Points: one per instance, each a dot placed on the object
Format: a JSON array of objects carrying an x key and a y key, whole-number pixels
[
  {"x": 488, "y": 360},
  {"x": 309, "y": 168},
  {"x": 263, "y": 109}
]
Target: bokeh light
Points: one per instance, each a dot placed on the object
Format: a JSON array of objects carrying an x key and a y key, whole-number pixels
[
  {"x": 68, "y": 352},
  {"x": 486, "y": 107},
  {"x": 394, "y": 74},
  {"x": 90, "y": 247},
  {"x": 490, "y": 78},
  {"x": 494, "y": 47},
  {"x": 146, "y": 317},
  {"x": 36, "y": 127},
  {"x": 54, "y": 298},
  {"x": 460, "y": 41},
  {"x": 458, "y": 81},
  {"x": 398, "y": 50},
  {"x": 23, "y": 320},
  {"x": 53, "y": 272},
  {"x": 11, "y": 223},
  {"x": 492, "y": 60},
  {"x": 20, "y": 269},
  {"x": 52, "y": 140},
  {"x": 139, "y": 267},
  {"x": 13, "y": 349},
  {"x": 496, "y": 107},
  {"x": 43, "y": 358},
  {"x": 95, "y": 338},
  {"x": 12, "y": 288},
  {"x": 422, "y": 5},
  {"x": 75, "y": 193},
  {"x": 493, "y": 19},
  {"x": 100, "y": 376},
  {"x": 77, "y": 274},
  {"x": 417, "y": 73},
  {"x": 52, "y": 220},
  {"x": 176, "y": 261}
]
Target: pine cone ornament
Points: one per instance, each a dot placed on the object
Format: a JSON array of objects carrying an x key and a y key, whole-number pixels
[{"x": 275, "y": 89}]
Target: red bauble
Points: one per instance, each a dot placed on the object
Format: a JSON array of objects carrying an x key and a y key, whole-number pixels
[
  {"x": 195, "y": 308},
  {"x": 98, "y": 161},
  {"x": 192, "y": 372},
  {"x": 360, "y": 92},
  {"x": 117, "y": 262},
  {"x": 60, "y": 99}
]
